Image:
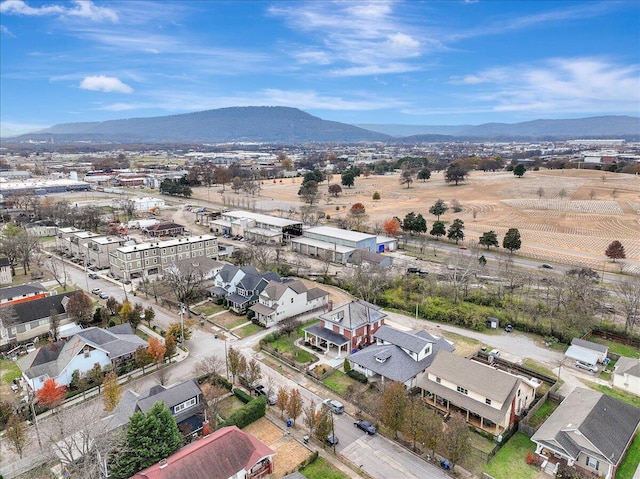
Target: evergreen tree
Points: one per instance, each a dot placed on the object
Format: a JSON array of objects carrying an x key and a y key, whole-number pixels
[
  {"x": 456, "y": 230},
  {"x": 488, "y": 239},
  {"x": 438, "y": 229},
  {"x": 149, "y": 439},
  {"x": 511, "y": 240}
]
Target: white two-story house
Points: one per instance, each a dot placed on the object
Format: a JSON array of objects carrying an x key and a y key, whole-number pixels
[{"x": 287, "y": 299}]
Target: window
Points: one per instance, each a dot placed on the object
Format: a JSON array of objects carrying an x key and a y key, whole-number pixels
[
  {"x": 462, "y": 390},
  {"x": 438, "y": 380},
  {"x": 592, "y": 463},
  {"x": 292, "y": 300},
  {"x": 518, "y": 393},
  {"x": 187, "y": 404},
  {"x": 488, "y": 401}
]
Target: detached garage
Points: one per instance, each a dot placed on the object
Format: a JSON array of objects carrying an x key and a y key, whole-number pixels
[{"x": 587, "y": 352}]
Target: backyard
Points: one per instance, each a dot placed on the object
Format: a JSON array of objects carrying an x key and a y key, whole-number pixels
[
  {"x": 630, "y": 461},
  {"x": 208, "y": 309},
  {"x": 543, "y": 413},
  {"x": 510, "y": 462}
]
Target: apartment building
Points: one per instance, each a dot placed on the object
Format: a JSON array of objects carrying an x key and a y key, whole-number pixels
[
  {"x": 99, "y": 249},
  {"x": 63, "y": 238},
  {"x": 78, "y": 243},
  {"x": 144, "y": 259}
]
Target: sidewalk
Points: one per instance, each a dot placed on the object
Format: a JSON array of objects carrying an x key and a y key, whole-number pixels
[{"x": 329, "y": 456}]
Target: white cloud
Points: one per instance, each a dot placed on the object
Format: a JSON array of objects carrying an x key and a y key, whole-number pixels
[
  {"x": 559, "y": 84},
  {"x": 122, "y": 107},
  {"x": 5, "y": 31},
  {"x": 81, "y": 8},
  {"x": 355, "y": 37},
  {"x": 104, "y": 83}
]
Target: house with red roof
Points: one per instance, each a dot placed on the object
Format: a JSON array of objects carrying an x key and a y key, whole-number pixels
[{"x": 227, "y": 453}]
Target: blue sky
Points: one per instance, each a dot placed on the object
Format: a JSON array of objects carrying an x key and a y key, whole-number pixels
[{"x": 412, "y": 62}]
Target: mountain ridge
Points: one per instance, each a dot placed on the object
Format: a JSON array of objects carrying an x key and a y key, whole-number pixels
[{"x": 269, "y": 124}]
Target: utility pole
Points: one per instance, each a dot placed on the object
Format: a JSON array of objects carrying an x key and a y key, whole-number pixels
[{"x": 181, "y": 322}]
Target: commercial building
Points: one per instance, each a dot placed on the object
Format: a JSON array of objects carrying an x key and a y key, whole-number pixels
[{"x": 256, "y": 227}]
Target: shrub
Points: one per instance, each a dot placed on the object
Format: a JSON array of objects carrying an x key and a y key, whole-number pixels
[
  {"x": 243, "y": 396},
  {"x": 358, "y": 376},
  {"x": 112, "y": 323},
  {"x": 376, "y": 196},
  {"x": 250, "y": 412},
  {"x": 328, "y": 217},
  {"x": 347, "y": 365}
]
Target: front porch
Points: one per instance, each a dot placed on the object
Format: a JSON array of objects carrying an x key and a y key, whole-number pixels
[
  {"x": 447, "y": 408},
  {"x": 550, "y": 462},
  {"x": 324, "y": 338}
]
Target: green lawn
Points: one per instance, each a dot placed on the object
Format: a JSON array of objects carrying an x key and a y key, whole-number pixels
[
  {"x": 322, "y": 469},
  {"x": 617, "y": 348},
  {"x": 247, "y": 330},
  {"x": 630, "y": 461},
  {"x": 9, "y": 370},
  {"x": 338, "y": 381},
  {"x": 511, "y": 461},
  {"x": 543, "y": 413},
  {"x": 621, "y": 395},
  {"x": 538, "y": 367},
  {"x": 209, "y": 308}
]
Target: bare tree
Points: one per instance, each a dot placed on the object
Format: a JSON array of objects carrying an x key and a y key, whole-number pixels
[
  {"x": 211, "y": 365},
  {"x": 185, "y": 280},
  {"x": 58, "y": 269},
  {"x": 212, "y": 396},
  {"x": 369, "y": 280},
  {"x": 54, "y": 324},
  {"x": 460, "y": 269},
  {"x": 628, "y": 294},
  {"x": 262, "y": 255}
]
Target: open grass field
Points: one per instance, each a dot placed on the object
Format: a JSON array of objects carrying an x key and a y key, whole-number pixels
[
  {"x": 510, "y": 462},
  {"x": 563, "y": 215}
]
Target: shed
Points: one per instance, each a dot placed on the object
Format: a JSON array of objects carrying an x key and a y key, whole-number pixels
[{"x": 493, "y": 323}]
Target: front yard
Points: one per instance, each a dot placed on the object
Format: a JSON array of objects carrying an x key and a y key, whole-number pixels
[
  {"x": 339, "y": 382},
  {"x": 208, "y": 309},
  {"x": 510, "y": 462},
  {"x": 321, "y": 469}
]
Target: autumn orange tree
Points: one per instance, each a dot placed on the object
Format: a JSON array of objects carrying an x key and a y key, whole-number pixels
[
  {"x": 392, "y": 227},
  {"x": 51, "y": 394},
  {"x": 156, "y": 349}
]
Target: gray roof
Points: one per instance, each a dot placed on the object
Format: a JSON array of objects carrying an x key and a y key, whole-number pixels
[
  {"x": 327, "y": 334},
  {"x": 315, "y": 293},
  {"x": 628, "y": 366},
  {"x": 170, "y": 396},
  {"x": 479, "y": 378},
  {"x": 228, "y": 272},
  {"x": 35, "y": 309},
  {"x": 589, "y": 345},
  {"x": 356, "y": 313},
  {"x": 21, "y": 290},
  {"x": 238, "y": 299},
  {"x": 590, "y": 421},
  {"x": 275, "y": 289},
  {"x": 405, "y": 339},
  {"x": 262, "y": 309},
  {"x": 53, "y": 358},
  {"x": 250, "y": 282},
  {"x": 116, "y": 344},
  {"x": 396, "y": 364}
]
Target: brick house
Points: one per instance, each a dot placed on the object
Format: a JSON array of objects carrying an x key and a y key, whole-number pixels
[{"x": 350, "y": 326}]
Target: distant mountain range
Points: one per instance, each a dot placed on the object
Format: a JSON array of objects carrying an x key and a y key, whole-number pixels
[{"x": 290, "y": 125}]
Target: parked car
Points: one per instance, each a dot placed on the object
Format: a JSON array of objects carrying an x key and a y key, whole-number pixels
[
  {"x": 508, "y": 328},
  {"x": 96, "y": 291},
  {"x": 334, "y": 406},
  {"x": 589, "y": 367},
  {"x": 546, "y": 266},
  {"x": 93, "y": 276},
  {"x": 332, "y": 439},
  {"x": 495, "y": 353},
  {"x": 103, "y": 296},
  {"x": 30, "y": 347},
  {"x": 261, "y": 391},
  {"x": 366, "y": 426}
]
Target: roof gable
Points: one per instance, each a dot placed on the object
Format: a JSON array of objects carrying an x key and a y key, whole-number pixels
[
  {"x": 171, "y": 396},
  {"x": 220, "y": 455},
  {"x": 354, "y": 314},
  {"x": 40, "y": 308}
]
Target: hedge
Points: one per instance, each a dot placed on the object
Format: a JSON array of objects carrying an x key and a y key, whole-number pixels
[
  {"x": 243, "y": 396},
  {"x": 250, "y": 412},
  {"x": 358, "y": 376}
]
